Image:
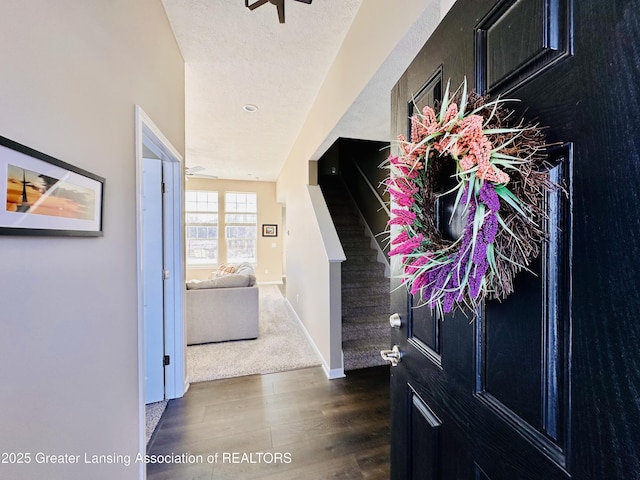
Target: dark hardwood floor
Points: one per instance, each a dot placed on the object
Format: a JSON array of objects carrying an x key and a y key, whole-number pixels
[{"x": 289, "y": 425}]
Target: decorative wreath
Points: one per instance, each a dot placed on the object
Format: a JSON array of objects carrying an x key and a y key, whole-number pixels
[{"x": 500, "y": 189}]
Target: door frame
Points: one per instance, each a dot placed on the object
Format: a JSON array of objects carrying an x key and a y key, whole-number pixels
[{"x": 176, "y": 382}]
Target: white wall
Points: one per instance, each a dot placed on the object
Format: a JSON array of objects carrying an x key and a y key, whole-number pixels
[
  {"x": 72, "y": 71},
  {"x": 317, "y": 305},
  {"x": 306, "y": 280}
]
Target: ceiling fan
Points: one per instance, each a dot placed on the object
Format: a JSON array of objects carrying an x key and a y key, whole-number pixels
[
  {"x": 277, "y": 3},
  {"x": 195, "y": 172}
]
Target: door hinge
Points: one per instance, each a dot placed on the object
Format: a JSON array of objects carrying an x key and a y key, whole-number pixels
[
  {"x": 165, "y": 274},
  {"x": 166, "y": 360},
  {"x": 163, "y": 187}
]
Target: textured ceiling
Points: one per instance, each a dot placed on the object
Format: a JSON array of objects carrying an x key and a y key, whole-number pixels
[{"x": 234, "y": 56}]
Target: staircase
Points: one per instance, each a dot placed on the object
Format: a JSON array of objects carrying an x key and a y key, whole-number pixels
[{"x": 365, "y": 289}]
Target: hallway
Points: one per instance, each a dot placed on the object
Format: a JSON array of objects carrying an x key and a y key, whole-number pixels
[{"x": 287, "y": 425}]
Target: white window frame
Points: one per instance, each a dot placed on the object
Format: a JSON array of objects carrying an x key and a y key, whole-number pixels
[
  {"x": 206, "y": 263},
  {"x": 248, "y": 211}
]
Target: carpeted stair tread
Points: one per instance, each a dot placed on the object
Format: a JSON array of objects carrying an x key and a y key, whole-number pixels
[
  {"x": 364, "y": 331},
  {"x": 358, "y": 271},
  {"x": 369, "y": 257},
  {"x": 358, "y": 353},
  {"x": 361, "y": 252},
  {"x": 356, "y": 240},
  {"x": 365, "y": 300},
  {"x": 374, "y": 268},
  {"x": 352, "y": 251},
  {"x": 363, "y": 267},
  {"x": 355, "y": 276},
  {"x": 350, "y": 230},
  {"x": 365, "y": 286},
  {"x": 352, "y": 248},
  {"x": 351, "y": 305},
  {"x": 372, "y": 288},
  {"x": 382, "y": 310},
  {"x": 359, "y": 319},
  {"x": 368, "y": 310},
  {"x": 355, "y": 279},
  {"x": 368, "y": 285}
]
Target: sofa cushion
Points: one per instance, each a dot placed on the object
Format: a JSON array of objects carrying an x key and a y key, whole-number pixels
[
  {"x": 232, "y": 280},
  {"x": 198, "y": 284}
]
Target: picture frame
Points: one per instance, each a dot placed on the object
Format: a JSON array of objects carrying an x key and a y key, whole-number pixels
[
  {"x": 269, "y": 230},
  {"x": 41, "y": 195}
]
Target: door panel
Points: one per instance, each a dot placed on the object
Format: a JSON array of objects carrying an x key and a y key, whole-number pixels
[
  {"x": 425, "y": 440},
  {"x": 153, "y": 282},
  {"x": 543, "y": 385},
  {"x": 518, "y": 40},
  {"x": 425, "y": 328},
  {"x": 531, "y": 329}
]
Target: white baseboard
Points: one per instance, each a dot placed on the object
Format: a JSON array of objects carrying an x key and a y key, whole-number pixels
[
  {"x": 187, "y": 384},
  {"x": 330, "y": 373},
  {"x": 336, "y": 372},
  {"x": 274, "y": 282}
]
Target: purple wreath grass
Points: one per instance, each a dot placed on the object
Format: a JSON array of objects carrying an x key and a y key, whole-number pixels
[{"x": 459, "y": 275}]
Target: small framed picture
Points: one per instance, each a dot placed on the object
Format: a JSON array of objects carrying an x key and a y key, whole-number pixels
[
  {"x": 269, "y": 230},
  {"x": 41, "y": 195}
]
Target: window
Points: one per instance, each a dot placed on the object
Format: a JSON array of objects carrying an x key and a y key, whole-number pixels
[
  {"x": 241, "y": 218},
  {"x": 201, "y": 220}
]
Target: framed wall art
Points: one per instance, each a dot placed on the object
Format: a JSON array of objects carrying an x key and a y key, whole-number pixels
[
  {"x": 269, "y": 230},
  {"x": 41, "y": 195}
]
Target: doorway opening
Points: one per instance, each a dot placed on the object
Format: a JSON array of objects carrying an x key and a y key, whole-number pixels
[{"x": 160, "y": 265}]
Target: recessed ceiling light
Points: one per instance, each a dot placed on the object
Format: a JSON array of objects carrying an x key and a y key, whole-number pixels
[{"x": 250, "y": 108}]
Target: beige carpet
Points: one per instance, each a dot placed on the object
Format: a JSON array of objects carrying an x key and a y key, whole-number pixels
[
  {"x": 154, "y": 412},
  {"x": 280, "y": 346}
]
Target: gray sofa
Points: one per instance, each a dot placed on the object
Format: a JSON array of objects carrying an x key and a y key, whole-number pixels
[{"x": 223, "y": 308}]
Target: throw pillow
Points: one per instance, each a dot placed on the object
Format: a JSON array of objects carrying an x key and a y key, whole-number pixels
[{"x": 225, "y": 270}]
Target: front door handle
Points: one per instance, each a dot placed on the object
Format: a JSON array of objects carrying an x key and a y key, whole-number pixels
[{"x": 393, "y": 356}]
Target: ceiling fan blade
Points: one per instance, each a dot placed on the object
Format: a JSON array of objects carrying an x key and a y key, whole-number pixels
[
  {"x": 281, "y": 11},
  {"x": 308, "y": 2},
  {"x": 254, "y": 5},
  {"x": 201, "y": 175},
  {"x": 194, "y": 169}
]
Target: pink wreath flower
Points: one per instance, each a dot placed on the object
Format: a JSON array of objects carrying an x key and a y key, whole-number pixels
[
  {"x": 407, "y": 246},
  {"x": 402, "y": 217}
]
